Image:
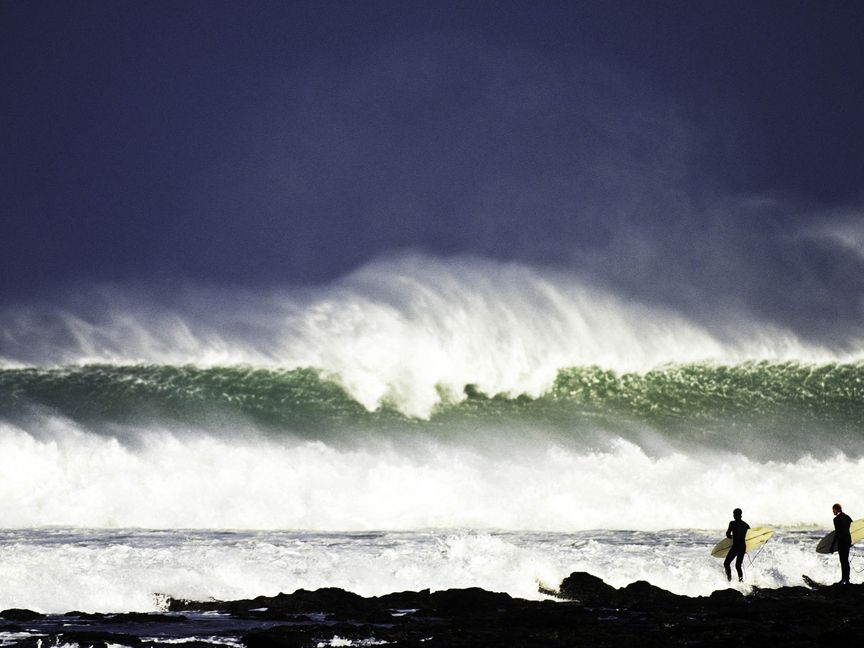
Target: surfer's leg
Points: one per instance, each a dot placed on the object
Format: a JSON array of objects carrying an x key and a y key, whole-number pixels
[
  {"x": 843, "y": 553},
  {"x": 727, "y": 564},
  {"x": 738, "y": 562}
]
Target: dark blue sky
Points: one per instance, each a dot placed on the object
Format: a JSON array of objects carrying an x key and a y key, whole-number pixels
[{"x": 693, "y": 153}]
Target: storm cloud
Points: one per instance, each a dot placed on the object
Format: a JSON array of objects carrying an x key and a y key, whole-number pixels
[{"x": 696, "y": 158}]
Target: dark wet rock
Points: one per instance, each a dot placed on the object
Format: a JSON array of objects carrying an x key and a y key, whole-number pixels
[
  {"x": 213, "y": 605},
  {"x": 468, "y": 602},
  {"x": 405, "y": 600},
  {"x": 642, "y": 596},
  {"x": 330, "y": 600},
  {"x": 645, "y": 591},
  {"x": 281, "y": 637},
  {"x": 17, "y": 614},
  {"x": 726, "y": 596},
  {"x": 587, "y": 612},
  {"x": 587, "y": 589},
  {"x": 597, "y": 614}
]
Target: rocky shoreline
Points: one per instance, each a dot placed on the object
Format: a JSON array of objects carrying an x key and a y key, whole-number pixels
[{"x": 585, "y": 612}]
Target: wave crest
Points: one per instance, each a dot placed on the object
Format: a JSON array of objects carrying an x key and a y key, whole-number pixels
[
  {"x": 764, "y": 408},
  {"x": 395, "y": 331}
]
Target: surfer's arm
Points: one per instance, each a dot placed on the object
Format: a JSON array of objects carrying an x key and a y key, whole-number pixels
[{"x": 729, "y": 531}]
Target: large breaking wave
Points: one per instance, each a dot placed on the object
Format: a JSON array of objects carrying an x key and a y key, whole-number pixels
[
  {"x": 396, "y": 331},
  {"x": 780, "y": 409},
  {"x": 415, "y": 394}
]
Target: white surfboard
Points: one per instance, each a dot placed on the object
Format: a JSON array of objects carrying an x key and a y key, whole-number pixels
[
  {"x": 856, "y": 529},
  {"x": 754, "y": 539}
]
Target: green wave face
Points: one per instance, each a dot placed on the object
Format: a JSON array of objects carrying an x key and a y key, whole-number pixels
[
  {"x": 198, "y": 397},
  {"x": 754, "y": 407},
  {"x": 831, "y": 393}
]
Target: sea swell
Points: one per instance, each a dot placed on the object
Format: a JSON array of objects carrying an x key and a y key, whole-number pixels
[
  {"x": 241, "y": 448},
  {"x": 417, "y": 394},
  {"x": 398, "y": 332},
  {"x": 780, "y": 407}
]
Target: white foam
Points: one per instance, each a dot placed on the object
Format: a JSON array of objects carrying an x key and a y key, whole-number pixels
[
  {"x": 53, "y": 571},
  {"x": 59, "y": 474},
  {"x": 400, "y": 330}
]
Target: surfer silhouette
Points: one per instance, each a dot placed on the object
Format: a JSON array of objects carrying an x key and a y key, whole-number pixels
[
  {"x": 842, "y": 541},
  {"x": 738, "y": 532}
]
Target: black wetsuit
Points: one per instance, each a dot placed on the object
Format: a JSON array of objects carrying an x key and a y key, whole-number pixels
[
  {"x": 738, "y": 532},
  {"x": 843, "y": 542}
]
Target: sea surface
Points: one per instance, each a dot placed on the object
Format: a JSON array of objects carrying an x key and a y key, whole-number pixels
[
  {"x": 98, "y": 570},
  {"x": 418, "y": 424}
]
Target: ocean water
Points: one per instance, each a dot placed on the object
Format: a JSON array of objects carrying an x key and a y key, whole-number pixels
[
  {"x": 417, "y": 424},
  {"x": 58, "y": 570}
]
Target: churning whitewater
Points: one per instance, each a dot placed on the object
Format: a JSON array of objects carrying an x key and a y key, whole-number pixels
[{"x": 543, "y": 420}]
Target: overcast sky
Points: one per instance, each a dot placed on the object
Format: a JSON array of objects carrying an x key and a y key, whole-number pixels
[{"x": 704, "y": 155}]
